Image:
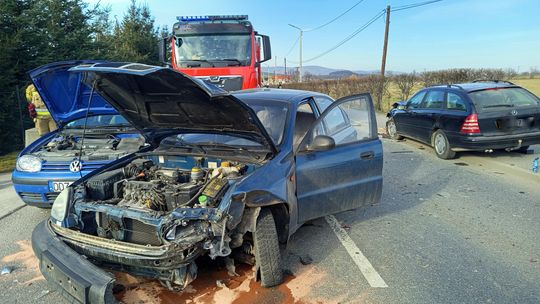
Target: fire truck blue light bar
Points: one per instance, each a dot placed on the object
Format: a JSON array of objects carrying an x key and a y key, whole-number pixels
[{"x": 212, "y": 18}]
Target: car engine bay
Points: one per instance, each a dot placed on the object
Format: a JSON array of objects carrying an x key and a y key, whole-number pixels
[
  {"x": 66, "y": 145},
  {"x": 144, "y": 186}
]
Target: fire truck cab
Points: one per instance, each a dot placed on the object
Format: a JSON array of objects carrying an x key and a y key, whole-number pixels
[{"x": 222, "y": 50}]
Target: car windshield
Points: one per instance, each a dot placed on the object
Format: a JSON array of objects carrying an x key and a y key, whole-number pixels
[
  {"x": 272, "y": 114},
  {"x": 494, "y": 99},
  {"x": 97, "y": 121},
  {"x": 211, "y": 50}
]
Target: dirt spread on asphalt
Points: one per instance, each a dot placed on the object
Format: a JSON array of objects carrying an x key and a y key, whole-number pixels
[
  {"x": 26, "y": 258},
  {"x": 214, "y": 286}
]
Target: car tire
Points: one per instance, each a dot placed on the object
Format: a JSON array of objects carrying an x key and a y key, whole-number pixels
[
  {"x": 267, "y": 251},
  {"x": 391, "y": 130},
  {"x": 442, "y": 146}
]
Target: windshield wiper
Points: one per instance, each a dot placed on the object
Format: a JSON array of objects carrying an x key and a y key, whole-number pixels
[
  {"x": 506, "y": 105},
  {"x": 232, "y": 59},
  {"x": 199, "y": 60}
]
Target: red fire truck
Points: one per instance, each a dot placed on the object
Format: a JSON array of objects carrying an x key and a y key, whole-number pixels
[{"x": 222, "y": 50}]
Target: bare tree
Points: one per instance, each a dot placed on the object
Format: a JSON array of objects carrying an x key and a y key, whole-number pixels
[{"x": 405, "y": 83}]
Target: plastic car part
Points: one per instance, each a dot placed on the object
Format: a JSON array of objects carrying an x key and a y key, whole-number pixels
[{"x": 100, "y": 187}]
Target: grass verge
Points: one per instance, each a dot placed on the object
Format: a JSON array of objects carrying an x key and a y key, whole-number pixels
[{"x": 7, "y": 162}]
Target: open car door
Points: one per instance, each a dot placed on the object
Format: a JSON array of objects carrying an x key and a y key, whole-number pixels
[{"x": 339, "y": 162}]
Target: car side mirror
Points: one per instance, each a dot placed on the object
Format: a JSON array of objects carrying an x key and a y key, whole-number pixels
[
  {"x": 162, "y": 50},
  {"x": 322, "y": 143}
]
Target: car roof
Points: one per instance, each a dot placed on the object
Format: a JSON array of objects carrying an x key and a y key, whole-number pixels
[
  {"x": 477, "y": 86},
  {"x": 288, "y": 95}
]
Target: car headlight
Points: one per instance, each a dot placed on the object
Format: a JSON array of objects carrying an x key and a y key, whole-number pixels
[
  {"x": 60, "y": 206},
  {"x": 28, "y": 163}
]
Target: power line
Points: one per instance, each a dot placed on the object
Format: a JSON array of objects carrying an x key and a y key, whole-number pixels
[
  {"x": 323, "y": 25},
  {"x": 413, "y": 5},
  {"x": 356, "y": 32},
  {"x": 292, "y": 47},
  {"x": 336, "y": 18},
  {"x": 360, "y": 29}
]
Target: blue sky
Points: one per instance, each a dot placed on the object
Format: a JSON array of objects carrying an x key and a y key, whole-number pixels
[{"x": 448, "y": 34}]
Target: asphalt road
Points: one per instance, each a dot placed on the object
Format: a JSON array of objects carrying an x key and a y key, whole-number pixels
[{"x": 459, "y": 231}]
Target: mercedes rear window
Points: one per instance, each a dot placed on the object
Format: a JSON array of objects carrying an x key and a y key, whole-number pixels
[{"x": 499, "y": 98}]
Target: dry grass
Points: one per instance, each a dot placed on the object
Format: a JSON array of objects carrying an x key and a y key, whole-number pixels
[{"x": 532, "y": 85}]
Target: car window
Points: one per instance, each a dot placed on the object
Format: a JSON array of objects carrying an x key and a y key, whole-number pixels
[
  {"x": 455, "y": 102},
  {"x": 273, "y": 115},
  {"x": 495, "y": 99},
  {"x": 335, "y": 121},
  {"x": 434, "y": 100},
  {"x": 346, "y": 123},
  {"x": 97, "y": 121},
  {"x": 305, "y": 117},
  {"x": 416, "y": 100},
  {"x": 323, "y": 103},
  {"x": 305, "y": 108}
]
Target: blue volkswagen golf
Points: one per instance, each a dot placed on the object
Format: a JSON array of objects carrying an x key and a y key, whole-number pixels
[
  {"x": 57, "y": 159},
  {"x": 226, "y": 175}
]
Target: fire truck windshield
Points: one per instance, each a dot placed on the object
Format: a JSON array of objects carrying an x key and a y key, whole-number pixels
[{"x": 213, "y": 50}]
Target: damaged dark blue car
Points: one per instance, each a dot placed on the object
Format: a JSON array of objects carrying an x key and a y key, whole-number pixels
[{"x": 225, "y": 175}]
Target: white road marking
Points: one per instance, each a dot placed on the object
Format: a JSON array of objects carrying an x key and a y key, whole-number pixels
[{"x": 371, "y": 275}]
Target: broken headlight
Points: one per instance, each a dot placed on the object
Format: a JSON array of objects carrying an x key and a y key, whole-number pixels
[{"x": 60, "y": 206}]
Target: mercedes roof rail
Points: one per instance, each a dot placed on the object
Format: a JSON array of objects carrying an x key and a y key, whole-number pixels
[{"x": 493, "y": 80}]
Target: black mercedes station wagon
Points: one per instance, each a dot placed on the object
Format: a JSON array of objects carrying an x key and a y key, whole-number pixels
[{"x": 477, "y": 116}]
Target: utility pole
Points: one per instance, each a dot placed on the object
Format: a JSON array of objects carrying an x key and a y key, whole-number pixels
[
  {"x": 275, "y": 70},
  {"x": 285, "y": 65},
  {"x": 300, "y": 44},
  {"x": 385, "y": 48}
]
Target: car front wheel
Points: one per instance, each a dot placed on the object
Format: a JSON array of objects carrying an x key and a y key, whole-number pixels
[
  {"x": 391, "y": 130},
  {"x": 267, "y": 253},
  {"x": 441, "y": 145}
]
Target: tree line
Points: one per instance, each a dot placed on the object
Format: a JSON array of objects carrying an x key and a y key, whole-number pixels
[
  {"x": 386, "y": 90},
  {"x": 37, "y": 32}
]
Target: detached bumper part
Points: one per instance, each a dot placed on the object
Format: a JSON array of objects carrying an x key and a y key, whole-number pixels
[{"x": 75, "y": 277}]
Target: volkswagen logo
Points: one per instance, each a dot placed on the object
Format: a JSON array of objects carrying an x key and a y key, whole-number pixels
[
  {"x": 75, "y": 166},
  {"x": 514, "y": 112}
]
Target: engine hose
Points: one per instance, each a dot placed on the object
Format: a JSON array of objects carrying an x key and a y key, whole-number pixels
[{"x": 131, "y": 170}]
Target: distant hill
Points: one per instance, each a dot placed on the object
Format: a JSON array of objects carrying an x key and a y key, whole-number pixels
[{"x": 320, "y": 71}]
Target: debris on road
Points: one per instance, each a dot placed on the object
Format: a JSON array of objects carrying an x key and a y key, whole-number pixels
[
  {"x": 305, "y": 259},
  {"x": 7, "y": 270},
  {"x": 44, "y": 293},
  {"x": 231, "y": 269},
  {"x": 220, "y": 284},
  {"x": 25, "y": 257}
]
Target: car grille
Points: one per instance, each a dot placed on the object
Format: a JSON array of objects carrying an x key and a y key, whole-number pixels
[
  {"x": 30, "y": 196},
  {"x": 38, "y": 197},
  {"x": 228, "y": 83},
  {"x": 51, "y": 196},
  {"x": 63, "y": 166}
]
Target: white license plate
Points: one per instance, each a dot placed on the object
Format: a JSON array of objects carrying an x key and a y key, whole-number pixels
[{"x": 59, "y": 186}]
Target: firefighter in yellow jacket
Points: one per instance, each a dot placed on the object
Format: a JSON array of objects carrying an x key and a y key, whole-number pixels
[{"x": 38, "y": 111}]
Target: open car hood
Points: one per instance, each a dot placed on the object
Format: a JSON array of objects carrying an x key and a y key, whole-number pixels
[
  {"x": 64, "y": 94},
  {"x": 158, "y": 99}
]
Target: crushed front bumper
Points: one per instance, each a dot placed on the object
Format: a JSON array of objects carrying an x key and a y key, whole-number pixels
[
  {"x": 75, "y": 277},
  {"x": 60, "y": 252}
]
